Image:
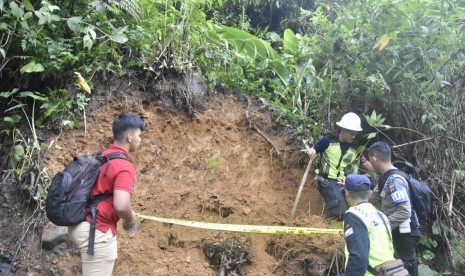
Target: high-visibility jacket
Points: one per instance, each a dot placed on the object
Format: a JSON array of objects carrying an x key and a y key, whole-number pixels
[
  {"x": 332, "y": 164},
  {"x": 381, "y": 248}
]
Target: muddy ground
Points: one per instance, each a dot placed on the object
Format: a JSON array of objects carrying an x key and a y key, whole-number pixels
[{"x": 210, "y": 167}]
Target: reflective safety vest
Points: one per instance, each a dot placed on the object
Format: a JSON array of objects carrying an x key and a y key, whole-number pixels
[
  {"x": 332, "y": 164},
  {"x": 381, "y": 248}
]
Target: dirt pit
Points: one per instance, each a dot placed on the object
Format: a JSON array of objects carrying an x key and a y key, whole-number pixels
[{"x": 213, "y": 168}]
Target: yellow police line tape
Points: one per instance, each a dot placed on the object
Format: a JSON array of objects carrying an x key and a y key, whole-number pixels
[{"x": 246, "y": 228}]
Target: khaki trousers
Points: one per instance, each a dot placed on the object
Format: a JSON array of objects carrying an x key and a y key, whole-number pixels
[{"x": 105, "y": 248}]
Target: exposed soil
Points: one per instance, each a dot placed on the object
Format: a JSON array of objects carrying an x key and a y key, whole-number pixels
[{"x": 248, "y": 183}]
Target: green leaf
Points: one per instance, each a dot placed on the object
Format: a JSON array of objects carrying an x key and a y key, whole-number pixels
[
  {"x": 290, "y": 42},
  {"x": 9, "y": 93},
  {"x": 32, "y": 67},
  {"x": 76, "y": 123},
  {"x": 74, "y": 24},
  {"x": 428, "y": 255},
  {"x": 371, "y": 135},
  {"x": 435, "y": 228},
  {"x": 92, "y": 34},
  {"x": 2, "y": 52},
  {"x": 28, "y": 5},
  {"x": 252, "y": 46},
  {"x": 87, "y": 41},
  {"x": 16, "y": 10},
  {"x": 12, "y": 119},
  {"x": 120, "y": 38},
  {"x": 34, "y": 95},
  {"x": 424, "y": 270},
  {"x": 423, "y": 118},
  {"x": 7, "y": 196}
]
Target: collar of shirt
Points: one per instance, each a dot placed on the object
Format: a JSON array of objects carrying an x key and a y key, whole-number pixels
[{"x": 118, "y": 148}]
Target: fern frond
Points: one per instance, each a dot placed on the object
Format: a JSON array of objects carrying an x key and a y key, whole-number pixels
[{"x": 131, "y": 7}]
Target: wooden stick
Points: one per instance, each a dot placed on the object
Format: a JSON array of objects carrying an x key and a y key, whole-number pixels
[
  {"x": 452, "y": 192},
  {"x": 413, "y": 142},
  {"x": 299, "y": 193},
  {"x": 85, "y": 123}
]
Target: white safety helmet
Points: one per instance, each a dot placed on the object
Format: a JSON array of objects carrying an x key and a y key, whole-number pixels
[{"x": 350, "y": 121}]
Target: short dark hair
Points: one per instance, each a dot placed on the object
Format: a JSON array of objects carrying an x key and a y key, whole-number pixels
[
  {"x": 125, "y": 122},
  {"x": 360, "y": 195},
  {"x": 380, "y": 150}
]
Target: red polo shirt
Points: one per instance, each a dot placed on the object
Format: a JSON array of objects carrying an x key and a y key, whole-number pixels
[{"x": 121, "y": 175}]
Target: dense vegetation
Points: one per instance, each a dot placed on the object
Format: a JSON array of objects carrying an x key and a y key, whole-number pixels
[{"x": 399, "y": 63}]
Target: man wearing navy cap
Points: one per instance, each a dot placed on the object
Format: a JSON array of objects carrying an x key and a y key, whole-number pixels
[{"x": 366, "y": 230}]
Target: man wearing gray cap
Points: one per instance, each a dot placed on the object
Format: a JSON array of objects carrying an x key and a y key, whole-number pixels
[{"x": 366, "y": 230}]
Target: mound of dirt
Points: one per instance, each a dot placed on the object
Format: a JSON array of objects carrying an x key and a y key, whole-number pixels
[{"x": 212, "y": 167}]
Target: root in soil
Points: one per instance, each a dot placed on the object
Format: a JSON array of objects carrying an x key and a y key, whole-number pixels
[{"x": 229, "y": 256}]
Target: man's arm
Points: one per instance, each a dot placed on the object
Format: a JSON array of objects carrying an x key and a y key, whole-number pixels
[
  {"x": 397, "y": 189},
  {"x": 358, "y": 245},
  {"x": 123, "y": 208}
]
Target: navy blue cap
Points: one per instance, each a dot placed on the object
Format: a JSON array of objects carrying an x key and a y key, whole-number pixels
[{"x": 357, "y": 182}]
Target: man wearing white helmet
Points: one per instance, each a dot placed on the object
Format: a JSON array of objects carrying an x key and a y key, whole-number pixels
[{"x": 336, "y": 154}]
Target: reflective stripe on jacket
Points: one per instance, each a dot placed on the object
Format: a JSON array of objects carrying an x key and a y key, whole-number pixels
[{"x": 331, "y": 164}]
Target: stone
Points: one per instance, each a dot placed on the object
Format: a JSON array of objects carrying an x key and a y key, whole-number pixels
[{"x": 53, "y": 235}]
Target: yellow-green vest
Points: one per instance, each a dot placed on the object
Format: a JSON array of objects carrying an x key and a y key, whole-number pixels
[
  {"x": 331, "y": 165},
  {"x": 381, "y": 248}
]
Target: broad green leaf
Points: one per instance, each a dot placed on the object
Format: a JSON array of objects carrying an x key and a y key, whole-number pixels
[
  {"x": 371, "y": 135},
  {"x": 2, "y": 52},
  {"x": 16, "y": 10},
  {"x": 252, "y": 46},
  {"x": 74, "y": 24},
  {"x": 92, "y": 34},
  {"x": 9, "y": 93},
  {"x": 290, "y": 42},
  {"x": 120, "y": 38},
  {"x": 12, "y": 119},
  {"x": 52, "y": 8},
  {"x": 425, "y": 270},
  {"x": 87, "y": 41},
  {"x": 28, "y": 5},
  {"x": 428, "y": 255},
  {"x": 246, "y": 43},
  {"x": 34, "y": 95},
  {"x": 32, "y": 67}
]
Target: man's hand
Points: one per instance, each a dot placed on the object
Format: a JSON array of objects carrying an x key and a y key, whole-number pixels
[
  {"x": 133, "y": 225},
  {"x": 312, "y": 153},
  {"x": 341, "y": 182}
]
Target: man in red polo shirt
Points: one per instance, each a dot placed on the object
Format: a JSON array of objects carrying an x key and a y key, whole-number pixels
[{"x": 117, "y": 178}]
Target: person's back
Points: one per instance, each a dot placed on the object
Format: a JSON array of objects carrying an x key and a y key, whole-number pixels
[
  {"x": 366, "y": 230},
  {"x": 116, "y": 178}
]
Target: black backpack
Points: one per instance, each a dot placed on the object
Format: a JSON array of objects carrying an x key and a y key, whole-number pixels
[
  {"x": 69, "y": 199},
  {"x": 420, "y": 194}
]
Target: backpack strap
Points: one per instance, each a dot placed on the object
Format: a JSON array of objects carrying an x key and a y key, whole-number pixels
[
  {"x": 114, "y": 155},
  {"x": 97, "y": 199},
  {"x": 93, "y": 222}
]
